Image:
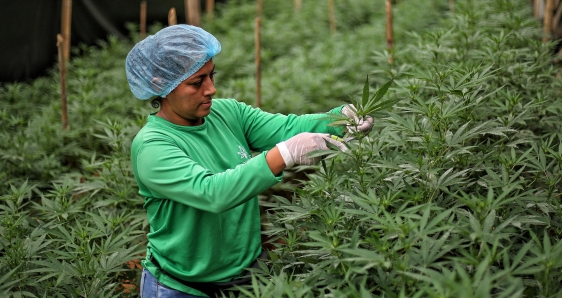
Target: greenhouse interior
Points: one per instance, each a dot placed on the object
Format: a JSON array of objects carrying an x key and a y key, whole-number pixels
[{"x": 278, "y": 148}]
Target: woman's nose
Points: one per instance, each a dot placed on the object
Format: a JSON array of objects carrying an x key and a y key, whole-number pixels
[{"x": 209, "y": 87}]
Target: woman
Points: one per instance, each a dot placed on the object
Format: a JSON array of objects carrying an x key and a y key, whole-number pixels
[{"x": 193, "y": 164}]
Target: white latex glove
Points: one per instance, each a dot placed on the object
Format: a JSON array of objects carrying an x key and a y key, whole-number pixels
[
  {"x": 294, "y": 150},
  {"x": 364, "y": 125}
]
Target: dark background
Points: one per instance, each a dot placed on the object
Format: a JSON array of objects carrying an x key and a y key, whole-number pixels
[{"x": 29, "y": 28}]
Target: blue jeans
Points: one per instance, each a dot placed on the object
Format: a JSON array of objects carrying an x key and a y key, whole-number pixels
[{"x": 151, "y": 288}]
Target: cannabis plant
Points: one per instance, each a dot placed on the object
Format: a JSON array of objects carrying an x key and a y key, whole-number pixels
[{"x": 455, "y": 192}]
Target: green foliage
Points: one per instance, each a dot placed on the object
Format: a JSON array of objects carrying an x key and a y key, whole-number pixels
[
  {"x": 71, "y": 214},
  {"x": 455, "y": 192},
  {"x": 50, "y": 249},
  {"x": 304, "y": 69}
]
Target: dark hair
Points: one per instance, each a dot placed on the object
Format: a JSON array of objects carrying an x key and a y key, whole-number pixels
[{"x": 156, "y": 102}]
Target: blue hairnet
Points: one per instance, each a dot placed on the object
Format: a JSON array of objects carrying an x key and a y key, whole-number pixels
[{"x": 159, "y": 63}]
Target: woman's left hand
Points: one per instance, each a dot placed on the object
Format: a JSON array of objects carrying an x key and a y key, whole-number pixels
[{"x": 363, "y": 124}]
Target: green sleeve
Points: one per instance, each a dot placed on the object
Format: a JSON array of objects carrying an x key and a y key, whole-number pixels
[
  {"x": 169, "y": 173},
  {"x": 264, "y": 130}
]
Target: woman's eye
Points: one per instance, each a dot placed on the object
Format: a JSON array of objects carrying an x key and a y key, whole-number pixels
[{"x": 200, "y": 82}]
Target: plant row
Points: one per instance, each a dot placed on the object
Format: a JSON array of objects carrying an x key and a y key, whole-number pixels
[{"x": 457, "y": 191}]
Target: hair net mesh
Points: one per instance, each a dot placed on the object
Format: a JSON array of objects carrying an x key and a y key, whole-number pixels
[{"x": 159, "y": 63}]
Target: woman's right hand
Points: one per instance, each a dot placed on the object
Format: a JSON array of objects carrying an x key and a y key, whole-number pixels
[{"x": 294, "y": 150}]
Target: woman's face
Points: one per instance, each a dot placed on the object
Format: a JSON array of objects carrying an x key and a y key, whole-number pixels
[{"x": 190, "y": 102}]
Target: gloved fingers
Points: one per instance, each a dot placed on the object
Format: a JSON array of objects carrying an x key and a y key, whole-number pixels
[
  {"x": 300, "y": 145},
  {"x": 366, "y": 125},
  {"x": 349, "y": 109},
  {"x": 336, "y": 143},
  {"x": 319, "y": 140},
  {"x": 351, "y": 112},
  {"x": 321, "y": 135},
  {"x": 295, "y": 151},
  {"x": 308, "y": 161}
]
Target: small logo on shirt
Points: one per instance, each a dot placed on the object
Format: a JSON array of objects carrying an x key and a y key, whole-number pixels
[{"x": 243, "y": 153}]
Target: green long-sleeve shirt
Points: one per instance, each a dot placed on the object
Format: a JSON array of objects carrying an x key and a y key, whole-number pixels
[{"x": 201, "y": 183}]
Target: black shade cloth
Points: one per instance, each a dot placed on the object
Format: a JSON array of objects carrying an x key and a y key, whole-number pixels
[{"x": 29, "y": 28}]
